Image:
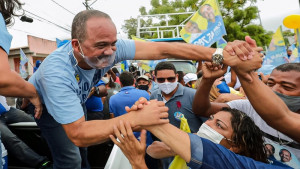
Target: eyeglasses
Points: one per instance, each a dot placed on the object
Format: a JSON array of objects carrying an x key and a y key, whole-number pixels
[{"x": 162, "y": 80}]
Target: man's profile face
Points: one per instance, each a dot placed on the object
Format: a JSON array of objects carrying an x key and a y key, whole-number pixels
[
  {"x": 285, "y": 156},
  {"x": 287, "y": 83},
  {"x": 208, "y": 12},
  {"x": 101, "y": 38}
]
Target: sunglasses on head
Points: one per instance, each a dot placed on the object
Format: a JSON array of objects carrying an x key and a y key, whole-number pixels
[{"x": 162, "y": 80}]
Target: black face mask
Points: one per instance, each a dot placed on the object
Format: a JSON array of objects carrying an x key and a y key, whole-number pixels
[{"x": 143, "y": 87}]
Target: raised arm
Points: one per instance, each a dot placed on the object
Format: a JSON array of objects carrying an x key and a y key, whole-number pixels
[
  {"x": 201, "y": 104},
  {"x": 273, "y": 110}
]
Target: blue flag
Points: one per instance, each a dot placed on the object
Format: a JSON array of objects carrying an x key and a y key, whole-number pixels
[
  {"x": 276, "y": 54},
  {"x": 23, "y": 57}
]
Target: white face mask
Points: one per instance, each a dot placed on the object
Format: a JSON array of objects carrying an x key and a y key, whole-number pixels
[
  {"x": 100, "y": 61},
  {"x": 105, "y": 79},
  {"x": 207, "y": 132},
  {"x": 167, "y": 87}
]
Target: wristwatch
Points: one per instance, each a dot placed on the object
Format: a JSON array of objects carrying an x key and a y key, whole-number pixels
[{"x": 217, "y": 57}]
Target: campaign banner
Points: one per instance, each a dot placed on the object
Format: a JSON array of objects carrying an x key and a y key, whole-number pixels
[
  {"x": 206, "y": 26},
  {"x": 276, "y": 54}
]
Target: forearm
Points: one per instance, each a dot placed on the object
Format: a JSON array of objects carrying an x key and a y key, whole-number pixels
[
  {"x": 201, "y": 103},
  {"x": 270, "y": 107},
  {"x": 160, "y": 150},
  {"x": 162, "y": 50},
  {"x": 12, "y": 85},
  {"x": 173, "y": 137},
  {"x": 85, "y": 133}
]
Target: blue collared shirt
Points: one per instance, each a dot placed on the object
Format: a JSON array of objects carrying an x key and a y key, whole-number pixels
[{"x": 127, "y": 96}]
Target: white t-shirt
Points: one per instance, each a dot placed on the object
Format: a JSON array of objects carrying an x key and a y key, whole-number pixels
[
  {"x": 246, "y": 107},
  {"x": 3, "y": 102},
  {"x": 227, "y": 78}
]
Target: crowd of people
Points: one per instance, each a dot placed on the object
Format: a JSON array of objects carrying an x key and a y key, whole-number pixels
[{"x": 79, "y": 99}]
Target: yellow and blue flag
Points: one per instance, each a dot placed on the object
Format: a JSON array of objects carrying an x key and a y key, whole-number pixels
[
  {"x": 23, "y": 57},
  {"x": 276, "y": 54},
  {"x": 124, "y": 66},
  {"x": 206, "y": 26},
  {"x": 296, "y": 49},
  {"x": 221, "y": 43}
]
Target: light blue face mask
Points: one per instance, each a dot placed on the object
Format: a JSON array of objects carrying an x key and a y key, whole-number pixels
[{"x": 292, "y": 102}]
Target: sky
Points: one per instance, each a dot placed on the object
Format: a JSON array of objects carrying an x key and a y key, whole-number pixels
[{"x": 272, "y": 13}]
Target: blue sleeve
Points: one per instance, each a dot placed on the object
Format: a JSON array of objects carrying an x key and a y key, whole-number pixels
[
  {"x": 125, "y": 50},
  {"x": 5, "y": 37},
  {"x": 207, "y": 154},
  {"x": 100, "y": 83},
  {"x": 58, "y": 87},
  {"x": 196, "y": 151}
]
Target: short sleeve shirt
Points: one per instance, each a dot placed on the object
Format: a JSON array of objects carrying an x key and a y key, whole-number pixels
[
  {"x": 208, "y": 155},
  {"x": 63, "y": 86},
  {"x": 5, "y": 37}
]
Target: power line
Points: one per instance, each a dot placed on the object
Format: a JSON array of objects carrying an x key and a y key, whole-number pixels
[
  {"x": 48, "y": 21},
  {"x": 62, "y": 7}
]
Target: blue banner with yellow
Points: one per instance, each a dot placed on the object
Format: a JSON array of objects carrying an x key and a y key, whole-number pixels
[
  {"x": 206, "y": 26},
  {"x": 276, "y": 54}
]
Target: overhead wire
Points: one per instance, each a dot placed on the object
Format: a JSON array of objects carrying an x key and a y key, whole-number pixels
[
  {"x": 48, "y": 21},
  {"x": 62, "y": 7}
]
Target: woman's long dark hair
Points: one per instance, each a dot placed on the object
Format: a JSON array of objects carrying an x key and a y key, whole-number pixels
[
  {"x": 247, "y": 136},
  {"x": 8, "y": 9}
]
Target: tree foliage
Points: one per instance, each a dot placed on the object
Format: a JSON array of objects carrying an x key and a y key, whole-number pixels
[{"x": 241, "y": 18}]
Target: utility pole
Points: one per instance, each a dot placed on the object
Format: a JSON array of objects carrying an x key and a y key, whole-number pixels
[{"x": 87, "y": 5}]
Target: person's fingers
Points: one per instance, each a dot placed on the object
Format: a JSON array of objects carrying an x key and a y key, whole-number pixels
[
  {"x": 143, "y": 138},
  {"x": 250, "y": 41},
  {"x": 240, "y": 50},
  {"x": 122, "y": 129},
  {"x": 114, "y": 140},
  {"x": 164, "y": 121},
  {"x": 140, "y": 106},
  {"x": 164, "y": 115},
  {"x": 134, "y": 108},
  {"x": 38, "y": 111},
  {"x": 228, "y": 48},
  {"x": 127, "y": 109},
  {"x": 118, "y": 134},
  {"x": 129, "y": 130}
]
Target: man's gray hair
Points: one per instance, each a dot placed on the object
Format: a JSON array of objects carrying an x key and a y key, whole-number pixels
[{"x": 79, "y": 23}]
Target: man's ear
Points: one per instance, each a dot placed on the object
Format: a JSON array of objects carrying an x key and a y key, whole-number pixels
[{"x": 75, "y": 45}]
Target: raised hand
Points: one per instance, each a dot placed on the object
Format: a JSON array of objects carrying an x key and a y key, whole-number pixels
[
  {"x": 211, "y": 72},
  {"x": 133, "y": 149},
  {"x": 153, "y": 113}
]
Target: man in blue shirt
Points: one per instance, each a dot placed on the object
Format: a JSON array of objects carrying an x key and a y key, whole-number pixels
[
  {"x": 127, "y": 96},
  {"x": 66, "y": 76}
]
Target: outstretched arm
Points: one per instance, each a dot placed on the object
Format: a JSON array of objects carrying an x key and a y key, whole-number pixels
[
  {"x": 162, "y": 50},
  {"x": 273, "y": 110},
  {"x": 201, "y": 104}
]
